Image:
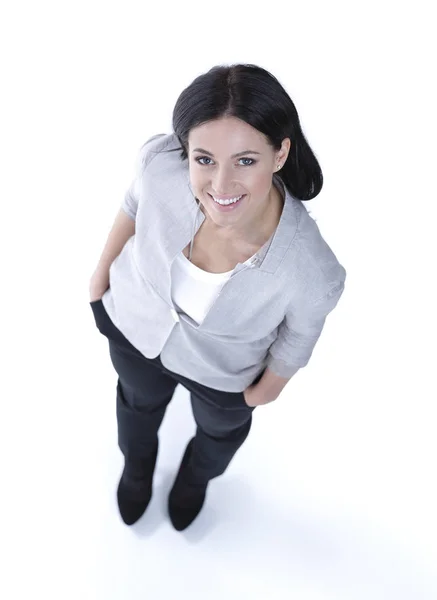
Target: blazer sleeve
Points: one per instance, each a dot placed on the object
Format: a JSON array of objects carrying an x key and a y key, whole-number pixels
[
  {"x": 298, "y": 334},
  {"x": 131, "y": 198}
]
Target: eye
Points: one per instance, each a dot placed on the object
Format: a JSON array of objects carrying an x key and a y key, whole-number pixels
[
  {"x": 251, "y": 159},
  {"x": 200, "y": 158}
]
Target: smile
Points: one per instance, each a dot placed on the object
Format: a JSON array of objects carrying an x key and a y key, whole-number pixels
[{"x": 227, "y": 202}]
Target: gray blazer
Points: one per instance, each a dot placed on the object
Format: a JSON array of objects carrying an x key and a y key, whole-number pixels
[{"x": 270, "y": 312}]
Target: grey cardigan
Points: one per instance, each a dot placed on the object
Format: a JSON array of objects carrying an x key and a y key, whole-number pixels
[{"x": 269, "y": 313}]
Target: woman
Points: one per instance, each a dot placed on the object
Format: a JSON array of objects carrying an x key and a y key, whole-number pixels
[{"x": 213, "y": 276}]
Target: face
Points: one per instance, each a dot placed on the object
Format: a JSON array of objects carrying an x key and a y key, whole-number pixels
[{"x": 231, "y": 160}]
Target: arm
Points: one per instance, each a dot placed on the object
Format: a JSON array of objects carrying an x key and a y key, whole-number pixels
[
  {"x": 124, "y": 225},
  {"x": 122, "y": 229},
  {"x": 292, "y": 349}
]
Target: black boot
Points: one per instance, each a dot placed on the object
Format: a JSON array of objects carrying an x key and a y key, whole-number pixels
[
  {"x": 135, "y": 488},
  {"x": 186, "y": 497}
]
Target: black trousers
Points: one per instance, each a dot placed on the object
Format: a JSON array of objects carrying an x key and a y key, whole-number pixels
[{"x": 145, "y": 388}]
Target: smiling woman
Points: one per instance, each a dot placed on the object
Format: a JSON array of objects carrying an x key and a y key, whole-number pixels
[{"x": 224, "y": 285}]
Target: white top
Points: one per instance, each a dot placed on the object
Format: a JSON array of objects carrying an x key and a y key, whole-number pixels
[{"x": 193, "y": 289}]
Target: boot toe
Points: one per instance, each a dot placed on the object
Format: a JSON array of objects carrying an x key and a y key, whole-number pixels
[
  {"x": 132, "y": 506},
  {"x": 183, "y": 513}
]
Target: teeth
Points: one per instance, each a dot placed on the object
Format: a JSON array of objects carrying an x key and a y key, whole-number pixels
[{"x": 226, "y": 202}]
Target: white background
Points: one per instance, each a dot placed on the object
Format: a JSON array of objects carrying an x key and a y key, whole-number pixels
[{"x": 333, "y": 495}]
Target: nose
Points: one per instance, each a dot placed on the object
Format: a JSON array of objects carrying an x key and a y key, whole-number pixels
[{"x": 222, "y": 181}]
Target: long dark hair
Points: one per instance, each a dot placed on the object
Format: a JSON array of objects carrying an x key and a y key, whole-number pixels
[{"x": 254, "y": 95}]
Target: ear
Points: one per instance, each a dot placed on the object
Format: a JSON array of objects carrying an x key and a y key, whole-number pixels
[{"x": 284, "y": 151}]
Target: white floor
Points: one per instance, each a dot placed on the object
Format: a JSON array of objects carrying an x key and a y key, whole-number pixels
[{"x": 326, "y": 499}]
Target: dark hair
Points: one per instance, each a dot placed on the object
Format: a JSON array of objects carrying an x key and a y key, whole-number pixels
[{"x": 255, "y": 96}]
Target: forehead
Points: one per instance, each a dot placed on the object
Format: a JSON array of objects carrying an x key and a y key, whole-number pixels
[{"x": 229, "y": 134}]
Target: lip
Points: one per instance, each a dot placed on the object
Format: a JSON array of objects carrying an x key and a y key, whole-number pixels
[{"x": 228, "y": 207}]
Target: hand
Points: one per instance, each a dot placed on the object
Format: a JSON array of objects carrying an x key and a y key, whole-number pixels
[
  {"x": 254, "y": 396},
  {"x": 251, "y": 397},
  {"x": 99, "y": 283}
]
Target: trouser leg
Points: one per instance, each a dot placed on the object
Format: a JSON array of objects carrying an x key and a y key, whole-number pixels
[
  {"x": 143, "y": 394},
  {"x": 143, "y": 390},
  {"x": 220, "y": 433},
  {"x": 223, "y": 422}
]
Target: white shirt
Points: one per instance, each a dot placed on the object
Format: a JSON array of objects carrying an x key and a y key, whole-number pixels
[{"x": 193, "y": 289}]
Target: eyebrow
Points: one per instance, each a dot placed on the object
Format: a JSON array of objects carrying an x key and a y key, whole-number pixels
[{"x": 233, "y": 156}]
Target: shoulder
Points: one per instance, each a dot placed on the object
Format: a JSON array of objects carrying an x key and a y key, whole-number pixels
[
  {"x": 314, "y": 263},
  {"x": 155, "y": 146},
  {"x": 163, "y": 180}
]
